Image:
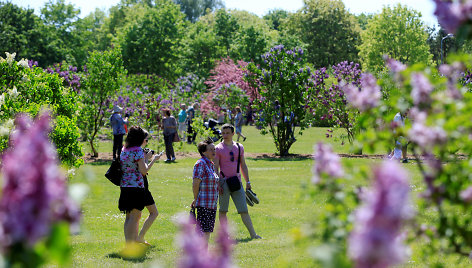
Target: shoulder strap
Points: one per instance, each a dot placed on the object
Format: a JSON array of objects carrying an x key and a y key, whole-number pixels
[{"x": 239, "y": 157}]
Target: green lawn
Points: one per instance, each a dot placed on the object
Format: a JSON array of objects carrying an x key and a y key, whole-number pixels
[{"x": 284, "y": 206}]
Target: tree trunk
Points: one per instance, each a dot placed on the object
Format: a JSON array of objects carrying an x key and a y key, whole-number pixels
[{"x": 94, "y": 151}]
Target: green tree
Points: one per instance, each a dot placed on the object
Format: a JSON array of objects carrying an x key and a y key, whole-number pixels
[
  {"x": 21, "y": 32},
  {"x": 225, "y": 27},
  {"x": 60, "y": 32},
  {"x": 330, "y": 32},
  {"x": 194, "y": 9},
  {"x": 201, "y": 49},
  {"x": 275, "y": 18},
  {"x": 284, "y": 87},
  {"x": 151, "y": 43},
  {"x": 103, "y": 81},
  {"x": 397, "y": 32}
]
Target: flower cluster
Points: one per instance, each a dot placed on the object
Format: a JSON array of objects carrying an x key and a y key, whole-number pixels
[
  {"x": 421, "y": 89},
  {"x": 426, "y": 137},
  {"x": 195, "y": 253},
  {"x": 452, "y": 14},
  {"x": 70, "y": 75},
  {"x": 34, "y": 196},
  {"x": 366, "y": 97},
  {"x": 376, "y": 240},
  {"x": 326, "y": 162}
]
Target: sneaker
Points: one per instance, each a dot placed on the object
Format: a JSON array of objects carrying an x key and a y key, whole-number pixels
[
  {"x": 244, "y": 139},
  {"x": 256, "y": 237},
  {"x": 173, "y": 159},
  {"x": 405, "y": 160},
  {"x": 252, "y": 196},
  {"x": 249, "y": 201},
  {"x": 168, "y": 161}
]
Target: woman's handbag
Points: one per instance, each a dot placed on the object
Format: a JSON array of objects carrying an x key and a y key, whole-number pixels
[
  {"x": 115, "y": 173},
  {"x": 176, "y": 137},
  {"x": 233, "y": 182}
]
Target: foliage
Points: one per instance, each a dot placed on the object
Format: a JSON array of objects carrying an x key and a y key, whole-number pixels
[
  {"x": 105, "y": 72},
  {"x": 284, "y": 86},
  {"x": 275, "y": 18},
  {"x": 150, "y": 83},
  {"x": 397, "y": 32},
  {"x": 330, "y": 32},
  {"x": 28, "y": 90},
  {"x": 71, "y": 78},
  {"x": 150, "y": 44}
]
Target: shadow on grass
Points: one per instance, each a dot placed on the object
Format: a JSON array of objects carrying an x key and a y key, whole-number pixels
[
  {"x": 291, "y": 157},
  {"x": 244, "y": 240},
  {"x": 137, "y": 259},
  {"x": 100, "y": 162}
]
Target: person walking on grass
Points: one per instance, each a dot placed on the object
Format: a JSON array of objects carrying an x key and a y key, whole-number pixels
[
  {"x": 238, "y": 121},
  {"x": 191, "y": 134},
  {"x": 134, "y": 194},
  {"x": 117, "y": 123},
  {"x": 205, "y": 188},
  {"x": 169, "y": 124},
  {"x": 401, "y": 144},
  {"x": 228, "y": 155},
  {"x": 182, "y": 120}
]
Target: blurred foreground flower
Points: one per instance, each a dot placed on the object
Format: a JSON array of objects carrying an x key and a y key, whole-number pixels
[
  {"x": 367, "y": 96},
  {"x": 376, "y": 240},
  {"x": 34, "y": 196},
  {"x": 195, "y": 253},
  {"x": 326, "y": 162}
]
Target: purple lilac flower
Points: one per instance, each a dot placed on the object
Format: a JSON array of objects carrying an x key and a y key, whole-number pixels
[
  {"x": 34, "y": 196},
  {"x": 422, "y": 89},
  {"x": 326, "y": 162},
  {"x": 364, "y": 99},
  {"x": 466, "y": 195},
  {"x": 451, "y": 14},
  {"x": 394, "y": 65},
  {"x": 194, "y": 246},
  {"x": 376, "y": 240},
  {"x": 426, "y": 137}
]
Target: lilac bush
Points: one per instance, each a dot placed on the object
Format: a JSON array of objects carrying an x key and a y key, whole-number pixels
[{"x": 34, "y": 196}]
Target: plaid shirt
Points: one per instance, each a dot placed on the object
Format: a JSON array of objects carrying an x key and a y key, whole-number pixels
[{"x": 208, "y": 192}]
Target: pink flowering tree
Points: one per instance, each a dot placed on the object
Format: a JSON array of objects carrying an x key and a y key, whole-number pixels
[
  {"x": 226, "y": 86},
  {"x": 35, "y": 209}
]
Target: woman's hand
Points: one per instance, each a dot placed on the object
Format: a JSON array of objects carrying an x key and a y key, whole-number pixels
[{"x": 156, "y": 157}]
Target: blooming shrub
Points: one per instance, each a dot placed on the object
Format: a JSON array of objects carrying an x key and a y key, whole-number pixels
[{"x": 28, "y": 90}]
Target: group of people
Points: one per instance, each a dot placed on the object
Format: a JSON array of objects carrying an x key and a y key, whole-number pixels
[{"x": 210, "y": 172}]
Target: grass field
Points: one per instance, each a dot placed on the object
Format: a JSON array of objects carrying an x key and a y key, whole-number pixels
[{"x": 278, "y": 182}]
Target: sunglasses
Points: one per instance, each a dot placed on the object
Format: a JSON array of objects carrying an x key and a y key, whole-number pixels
[{"x": 231, "y": 154}]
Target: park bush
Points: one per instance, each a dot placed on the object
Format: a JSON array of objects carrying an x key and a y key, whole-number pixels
[{"x": 29, "y": 90}]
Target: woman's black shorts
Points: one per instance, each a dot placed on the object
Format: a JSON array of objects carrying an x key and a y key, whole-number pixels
[
  {"x": 134, "y": 198},
  {"x": 206, "y": 219}
]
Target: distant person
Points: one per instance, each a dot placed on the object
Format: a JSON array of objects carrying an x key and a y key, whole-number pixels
[
  {"x": 118, "y": 124},
  {"x": 238, "y": 121},
  {"x": 249, "y": 116},
  {"x": 169, "y": 124},
  {"x": 226, "y": 162},
  {"x": 182, "y": 120},
  {"x": 191, "y": 135},
  {"x": 205, "y": 188},
  {"x": 134, "y": 195},
  {"x": 401, "y": 144}
]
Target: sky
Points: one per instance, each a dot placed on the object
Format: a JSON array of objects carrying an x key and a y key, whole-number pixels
[{"x": 261, "y": 7}]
